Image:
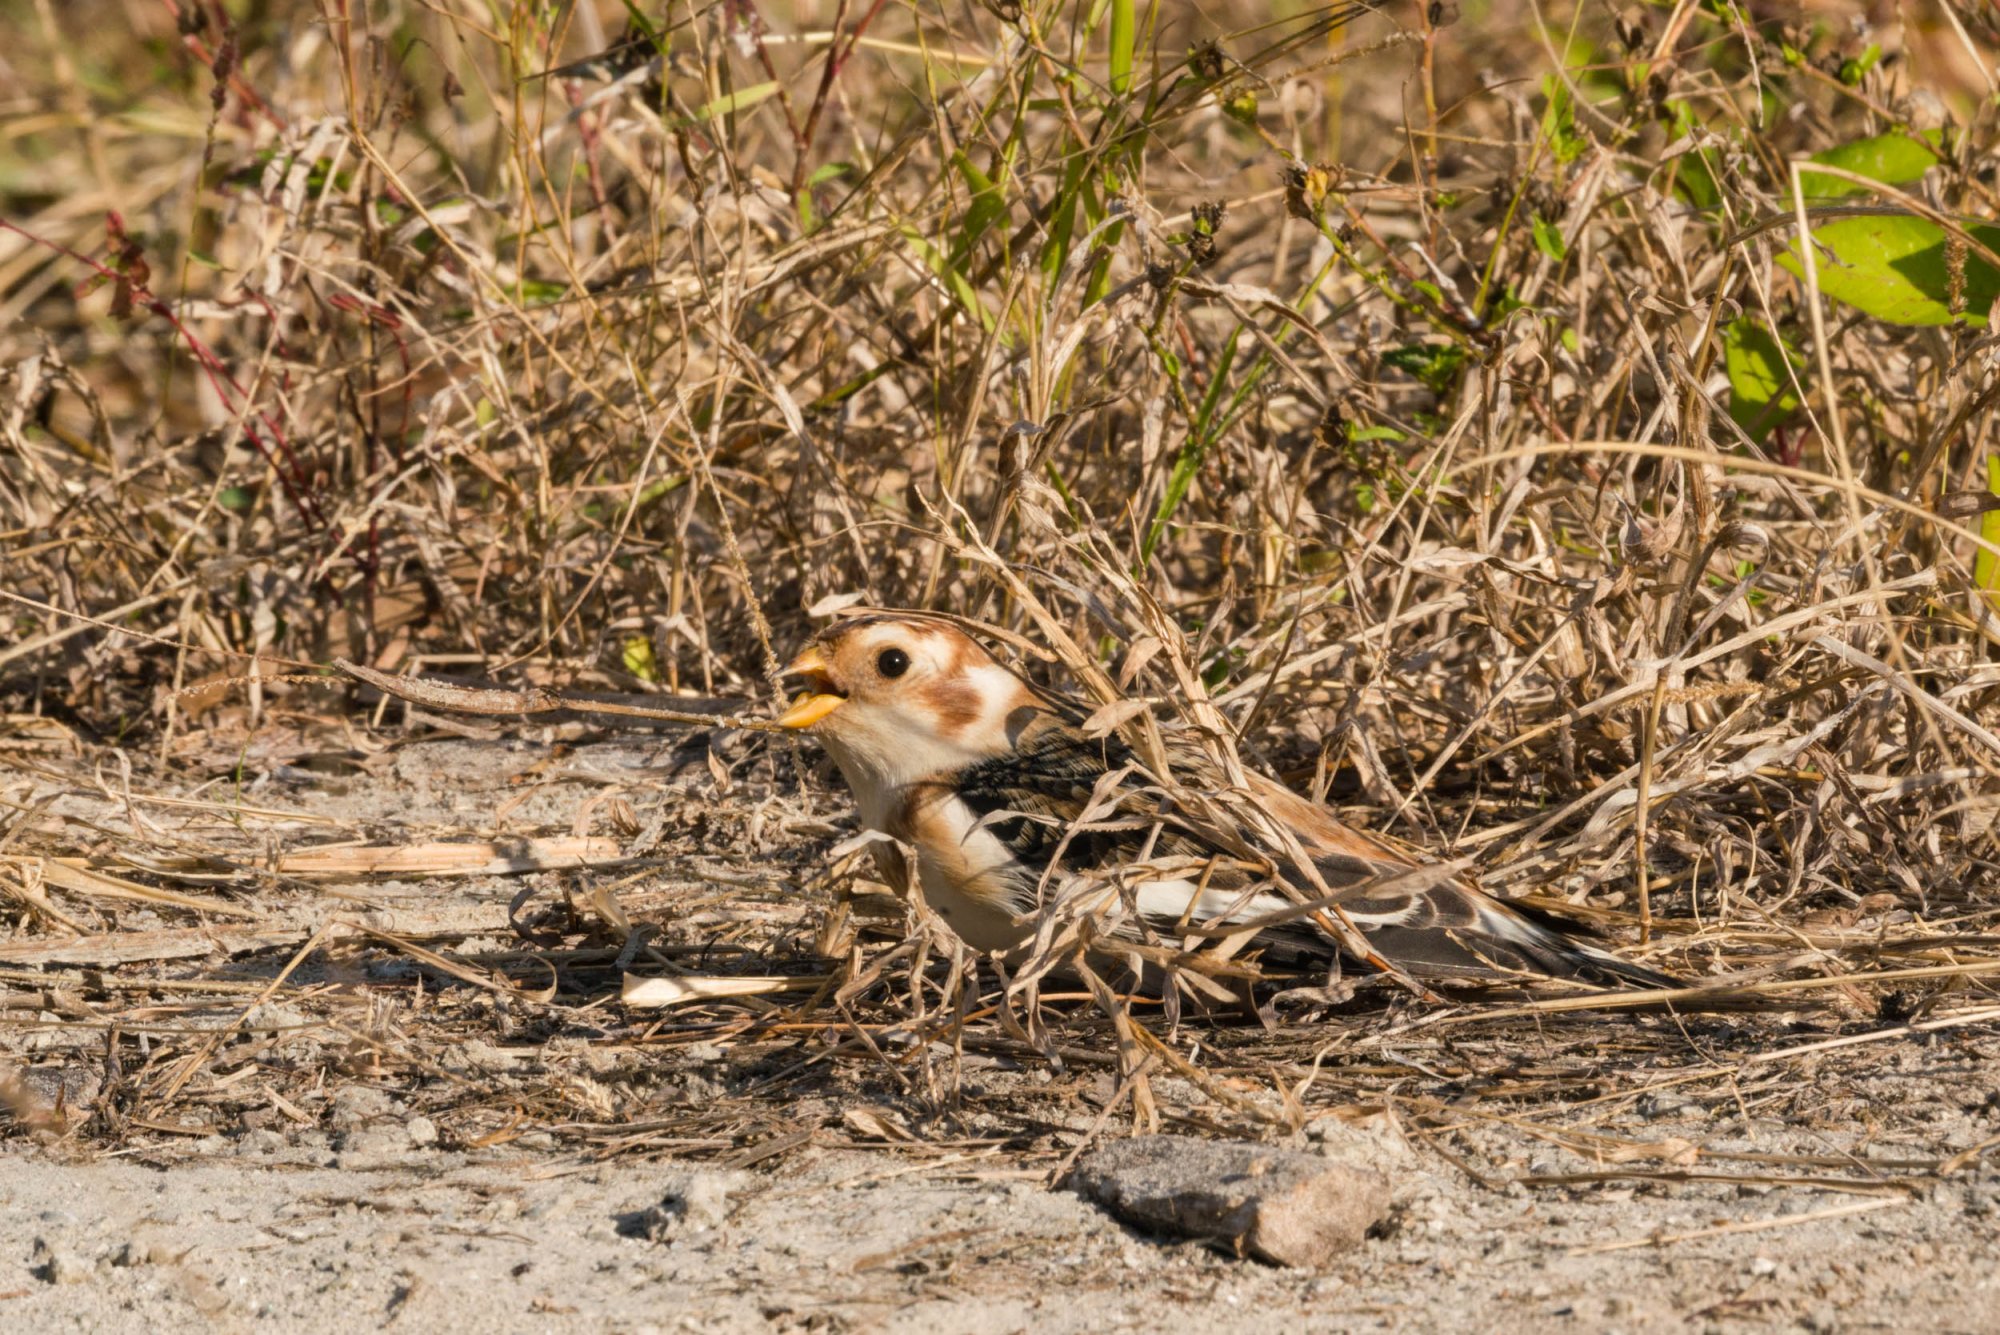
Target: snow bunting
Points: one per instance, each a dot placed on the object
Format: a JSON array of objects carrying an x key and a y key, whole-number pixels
[{"x": 1007, "y": 800}]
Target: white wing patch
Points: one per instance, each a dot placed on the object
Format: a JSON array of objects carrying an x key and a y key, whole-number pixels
[{"x": 1167, "y": 902}]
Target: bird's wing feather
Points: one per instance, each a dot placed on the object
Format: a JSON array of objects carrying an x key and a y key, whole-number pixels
[
  {"x": 1029, "y": 798},
  {"x": 1455, "y": 930},
  {"x": 1438, "y": 927}
]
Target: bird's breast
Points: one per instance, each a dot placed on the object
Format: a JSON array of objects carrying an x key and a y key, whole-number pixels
[{"x": 969, "y": 876}]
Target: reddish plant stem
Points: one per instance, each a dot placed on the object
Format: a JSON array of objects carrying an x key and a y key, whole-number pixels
[
  {"x": 277, "y": 452},
  {"x": 836, "y": 58},
  {"x": 200, "y": 51}
]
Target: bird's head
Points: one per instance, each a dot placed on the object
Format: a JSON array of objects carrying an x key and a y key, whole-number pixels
[{"x": 900, "y": 699}]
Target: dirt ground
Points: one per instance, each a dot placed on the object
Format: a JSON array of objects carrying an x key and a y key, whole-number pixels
[
  {"x": 356, "y": 1102},
  {"x": 1483, "y": 413}
]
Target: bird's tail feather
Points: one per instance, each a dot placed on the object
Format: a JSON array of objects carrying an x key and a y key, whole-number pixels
[{"x": 1457, "y": 932}]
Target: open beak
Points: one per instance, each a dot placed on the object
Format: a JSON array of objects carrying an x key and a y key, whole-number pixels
[{"x": 820, "y": 697}]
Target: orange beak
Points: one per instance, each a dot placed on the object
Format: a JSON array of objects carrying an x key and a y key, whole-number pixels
[{"x": 819, "y": 698}]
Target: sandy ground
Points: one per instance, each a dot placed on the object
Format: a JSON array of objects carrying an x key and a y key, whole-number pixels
[
  {"x": 397, "y": 1234},
  {"x": 496, "y": 1165}
]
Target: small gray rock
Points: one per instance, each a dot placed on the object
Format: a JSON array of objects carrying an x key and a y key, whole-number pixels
[
  {"x": 423, "y": 1131},
  {"x": 357, "y": 1105},
  {"x": 694, "y": 1202},
  {"x": 152, "y": 1245},
  {"x": 260, "y": 1142},
  {"x": 272, "y": 1017},
  {"x": 372, "y": 1143},
  {"x": 66, "y": 1091},
  {"x": 1280, "y": 1206},
  {"x": 59, "y": 1265}
]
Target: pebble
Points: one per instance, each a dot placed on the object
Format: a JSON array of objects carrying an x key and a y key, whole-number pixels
[
  {"x": 1369, "y": 1142},
  {"x": 271, "y": 1016},
  {"x": 354, "y": 1105},
  {"x": 260, "y": 1142},
  {"x": 1281, "y": 1206},
  {"x": 553, "y": 1207},
  {"x": 371, "y": 1146},
  {"x": 695, "y": 1204},
  {"x": 147, "y": 1248},
  {"x": 59, "y": 1265}
]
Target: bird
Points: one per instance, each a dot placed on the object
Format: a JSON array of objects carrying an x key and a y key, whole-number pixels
[{"x": 1006, "y": 796}]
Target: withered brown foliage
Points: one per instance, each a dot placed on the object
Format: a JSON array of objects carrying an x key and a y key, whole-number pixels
[{"x": 1356, "y": 387}]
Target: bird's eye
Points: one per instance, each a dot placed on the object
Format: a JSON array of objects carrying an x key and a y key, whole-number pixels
[{"x": 892, "y": 662}]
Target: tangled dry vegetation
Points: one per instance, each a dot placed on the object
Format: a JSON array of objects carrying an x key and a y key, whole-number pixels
[{"x": 1365, "y": 389}]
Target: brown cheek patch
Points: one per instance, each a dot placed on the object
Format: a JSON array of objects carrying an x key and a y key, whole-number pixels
[{"x": 954, "y": 702}]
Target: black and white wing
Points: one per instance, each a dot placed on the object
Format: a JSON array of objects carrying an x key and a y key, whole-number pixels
[{"x": 1063, "y": 795}]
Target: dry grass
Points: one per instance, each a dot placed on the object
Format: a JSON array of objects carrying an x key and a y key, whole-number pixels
[{"x": 1413, "y": 479}]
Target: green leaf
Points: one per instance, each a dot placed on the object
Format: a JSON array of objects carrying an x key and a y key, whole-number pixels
[
  {"x": 740, "y": 100},
  {"x": 539, "y": 292},
  {"x": 1072, "y": 194},
  {"x": 637, "y": 653},
  {"x": 1559, "y": 121},
  {"x": 1760, "y": 392},
  {"x": 1437, "y": 365},
  {"x": 1693, "y": 181},
  {"x": 988, "y": 206},
  {"x": 940, "y": 264},
  {"x": 1320, "y": 561},
  {"x": 1897, "y": 269},
  {"x": 1893, "y": 159},
  {"x": 1186, "y": 463},
  {"x": 832, "y": 171},
  {"x": 1549, "y": 238},
  {"x": 657, "y": 488},
  {"x": 1852, "y": 71},
  {"x": 1201, "y": 434},
  {"x": 1985, "y": 565},
  {"x": 646, "y": 26},
  {"x": 1218, "y": 670},
  {"x": 1124, "y": 35}
]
